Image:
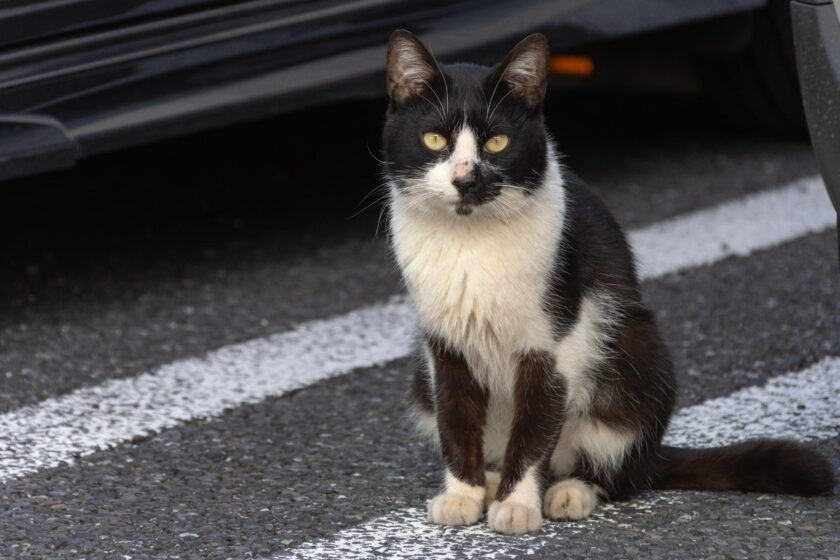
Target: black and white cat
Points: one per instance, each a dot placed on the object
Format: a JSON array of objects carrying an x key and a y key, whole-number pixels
[{"x": 547, "y": 385}]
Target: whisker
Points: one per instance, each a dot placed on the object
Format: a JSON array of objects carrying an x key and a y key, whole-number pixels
[
  {"x": 442, "y": 109},
  {"x": 490, "y": 118},
  {"x": 435, "y": 107},
  {"x": 375, "y": 201},
  {"x": 383, "y": 162},
  {"x": 493, "y": 94},
  {"x": 445, "y": 86},
  {"x": 379, "y": 222}
]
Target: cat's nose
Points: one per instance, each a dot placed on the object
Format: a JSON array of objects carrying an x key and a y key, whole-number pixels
[
  {"x": 466, "y": 183},
  {"x": 461, "y": 170}
]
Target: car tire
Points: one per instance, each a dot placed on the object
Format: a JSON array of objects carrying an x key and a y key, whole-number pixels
[{"x": 758, "y": 88}]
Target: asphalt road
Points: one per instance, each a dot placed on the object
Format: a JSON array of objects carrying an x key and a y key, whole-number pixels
[{"x": 151, "y": 261}]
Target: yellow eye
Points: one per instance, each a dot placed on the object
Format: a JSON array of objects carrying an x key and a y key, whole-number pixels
[
  {"x": 497, "y": 143},
  {"x": 434, "y": 141}
]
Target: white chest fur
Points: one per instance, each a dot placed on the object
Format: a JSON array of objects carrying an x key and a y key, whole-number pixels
[{"x": 479, "y": 282}]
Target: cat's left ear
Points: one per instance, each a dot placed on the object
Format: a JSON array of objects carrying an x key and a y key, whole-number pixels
[
  {"x": 411, "y": 67},
  {"x": 524, "y": 70}
]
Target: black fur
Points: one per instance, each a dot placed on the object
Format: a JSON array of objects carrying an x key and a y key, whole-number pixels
[
  {"x": 635, "y": 388},
  {"x": 461, "y": 412},
  {"x": 539, "y": 402},
  {"x": 782, "y": 467}
]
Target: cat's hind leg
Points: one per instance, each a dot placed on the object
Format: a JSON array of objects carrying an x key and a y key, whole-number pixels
[
  {"x": 612, "y": 453},
  {"x": 571, "y": 499},
  {"x": 587, "y": 456}
]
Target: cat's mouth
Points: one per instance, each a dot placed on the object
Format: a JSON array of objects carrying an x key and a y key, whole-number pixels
[
  {"x": 468, "y": 202},
  {"x": 463, "y": 209}
]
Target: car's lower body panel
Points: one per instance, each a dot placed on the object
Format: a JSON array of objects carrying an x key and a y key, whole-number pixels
[{"x": 158, "y": 79}]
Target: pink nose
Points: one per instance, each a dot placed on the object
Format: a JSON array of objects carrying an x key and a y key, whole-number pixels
[{"x": 462, "y": 169}]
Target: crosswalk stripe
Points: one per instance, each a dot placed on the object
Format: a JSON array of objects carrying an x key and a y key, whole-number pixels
[{"x": 91, "y": 418}]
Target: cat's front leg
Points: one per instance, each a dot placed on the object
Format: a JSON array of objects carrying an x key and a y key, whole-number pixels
[
  {"x": 461, "y": 406},
  {"x": 539, "y": 401}
]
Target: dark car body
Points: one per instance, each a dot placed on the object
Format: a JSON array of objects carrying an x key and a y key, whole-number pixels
[
  {"x": 816, "y": 26},
  {"x": 80, "y": 77}
]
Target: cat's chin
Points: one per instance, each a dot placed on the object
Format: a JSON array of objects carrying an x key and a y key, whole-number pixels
[{"x": 464, "y": 209}]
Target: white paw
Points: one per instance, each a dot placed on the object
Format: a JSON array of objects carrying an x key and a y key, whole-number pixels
[
  {"x": 492, "y": 484},
  {"x": 454, "y": 509},
  {"x": 570, "y": 499},
  {"x": 512, "y": 518}
]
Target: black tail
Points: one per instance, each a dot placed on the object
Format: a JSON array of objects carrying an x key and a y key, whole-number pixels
[{"x": 774, "y": 466}]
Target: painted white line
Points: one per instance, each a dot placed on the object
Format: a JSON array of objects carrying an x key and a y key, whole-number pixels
[
  {"x": 91, "y": 418},
  {"x": 405, "y": 534},
  {"x": 773, "y": 410},
  {"x": 734, "y": 228},
  {"x": 800, "y": 405}
]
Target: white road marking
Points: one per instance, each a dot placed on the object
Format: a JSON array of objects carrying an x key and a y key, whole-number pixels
[
  {"x": 799, "y": 405},
  {"x": 733, "y": 228},
  {"x": 769, "y": 411},
  {"x": 405, "y": 533},
  {"x": 91, "y": 418}
]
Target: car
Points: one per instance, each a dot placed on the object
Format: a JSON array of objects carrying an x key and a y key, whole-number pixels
[
  {"x": 83, "y": 77},
  {"x": 816, "y": 26}
]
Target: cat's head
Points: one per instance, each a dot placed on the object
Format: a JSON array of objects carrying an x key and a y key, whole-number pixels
[{"x": 462, "y": 139}]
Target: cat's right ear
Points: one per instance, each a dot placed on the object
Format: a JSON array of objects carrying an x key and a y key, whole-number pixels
[{"x": 411, "y": 67}]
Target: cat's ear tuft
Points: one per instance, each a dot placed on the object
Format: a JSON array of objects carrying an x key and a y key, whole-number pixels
[
  {"x": 411, "y": 68},
  {"x": 524, "y": 70}
]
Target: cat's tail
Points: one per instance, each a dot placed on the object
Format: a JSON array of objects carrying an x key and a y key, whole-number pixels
[{"x": 773, "y": 466}]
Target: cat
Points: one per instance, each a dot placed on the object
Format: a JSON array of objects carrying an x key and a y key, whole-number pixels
[{"x": 545, "y": 383}]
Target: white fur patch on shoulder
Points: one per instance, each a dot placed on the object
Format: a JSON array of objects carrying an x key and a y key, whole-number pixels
[{"x": 584, "y": 348}]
